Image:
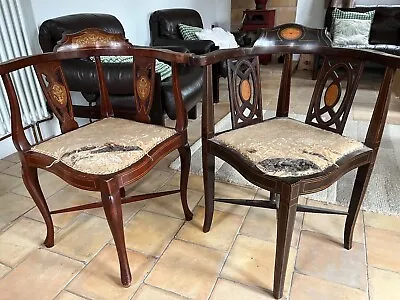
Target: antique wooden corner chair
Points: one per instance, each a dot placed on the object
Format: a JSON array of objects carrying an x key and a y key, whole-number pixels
[
  {"x": 290, "y": 158},
  {"x": 108, "y": 154}
]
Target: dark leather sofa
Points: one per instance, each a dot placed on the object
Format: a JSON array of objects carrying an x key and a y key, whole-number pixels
[
  {"x": 164, "y": 31},
  {"x": 385, "y": 29},
  {"x": 81, "y": 74}
]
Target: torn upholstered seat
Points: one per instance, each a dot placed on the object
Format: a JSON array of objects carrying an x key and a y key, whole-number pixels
[
  {"x": 285, "y": 147},
  {"x": 106, "y": 146}
]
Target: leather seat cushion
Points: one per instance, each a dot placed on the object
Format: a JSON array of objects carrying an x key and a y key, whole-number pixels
[
  {"x": 106, "y": 146},
  {"x": 284, "y": 147},
  {"x": 191, "y": 86}
]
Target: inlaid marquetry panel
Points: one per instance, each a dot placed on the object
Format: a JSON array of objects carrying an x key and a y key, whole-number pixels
[
  {"x": 334, "y": 94},
  {"x": 244, "y": 91},
  {"x": 144, "y": 70},
  {"x": 55, "y": 89}
]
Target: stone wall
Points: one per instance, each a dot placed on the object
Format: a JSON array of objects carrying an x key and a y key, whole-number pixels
[{"x": 285, "y": 11}]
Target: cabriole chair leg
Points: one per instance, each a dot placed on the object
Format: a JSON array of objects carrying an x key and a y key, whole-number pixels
[
  {"x": 111, "y": 198},
  {"x": 185, "y": 155},
  {"x": 357, "y": 196},
  {"x": 31, "y": 181},
  {"x": 209, "y": 189}
]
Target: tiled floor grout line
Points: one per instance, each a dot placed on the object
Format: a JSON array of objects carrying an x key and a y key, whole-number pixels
[
  {"x": 73, "y": 293},
  {"x": 158, "y": 288},
  {"x": 297, "y": 252},
  {"x": 85, "y": 265},
  {"x": 40, "y": 246},
  {"x": 230, "y": 249},
  {"x": 366, "y": 255},
  {"x": 157, "y": 259}
]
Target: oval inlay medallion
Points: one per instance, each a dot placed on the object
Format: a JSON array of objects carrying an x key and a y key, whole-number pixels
[
  {"x": 245, "y": 90},
  {"x": 291, "y": 33},
  {"x": 143, "y": 87},
  {"x": 59, "y": 93},
  {"x": 332, "y": 95}
]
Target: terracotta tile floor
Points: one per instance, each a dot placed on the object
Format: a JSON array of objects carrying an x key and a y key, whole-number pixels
[{"x": 173, "y": 259}]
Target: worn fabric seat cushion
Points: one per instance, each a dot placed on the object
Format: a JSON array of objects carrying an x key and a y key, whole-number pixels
[
  {"x": 284, "y": 147},
  {"x": 106, "y": 146}
]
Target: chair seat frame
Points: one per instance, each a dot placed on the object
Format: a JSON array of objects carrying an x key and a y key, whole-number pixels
[{"x": 290, "y": 188}]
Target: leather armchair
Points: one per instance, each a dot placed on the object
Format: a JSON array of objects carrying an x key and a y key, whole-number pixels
[
  {"x": 81, "y": 74},
  {"x": 164, "y": 31}
]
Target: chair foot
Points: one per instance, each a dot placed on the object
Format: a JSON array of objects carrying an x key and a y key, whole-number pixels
[
  {"x": 185, "y": 156},
  {"x": 209, "y": 188},
  {"x": 31, "y": 181},
  {"x": 286, "y": 216},
  {"x": 111, "y": 199},
  {"x": 357, "y": 196}
]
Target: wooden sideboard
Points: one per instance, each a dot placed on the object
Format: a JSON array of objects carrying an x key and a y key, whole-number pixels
[{"x": 256, "y": 19}]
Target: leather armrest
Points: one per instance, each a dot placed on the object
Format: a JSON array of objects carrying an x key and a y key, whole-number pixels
[
  {"x": 195, "y": 46},
  {"x": 176, "y": 48}
]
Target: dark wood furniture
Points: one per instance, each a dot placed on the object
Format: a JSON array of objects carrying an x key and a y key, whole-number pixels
[
  {"x": 257, "y": 19},
  {"x": 108, "y": 154},
  {"x": 295, "y": 167}
]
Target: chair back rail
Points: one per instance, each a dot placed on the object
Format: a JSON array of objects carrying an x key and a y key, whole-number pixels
[
  {"x": 245, "y": 91},
  {"x": 55, "y": 89},
  {"x": 334, "y": 93},
  {"x": 49, "y": 71}
]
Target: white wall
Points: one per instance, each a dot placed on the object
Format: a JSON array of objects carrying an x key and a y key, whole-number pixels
[
  {"x": 374, "y": 2},
  {"x": 311, "y": 13},
  {"x": 133, "y": 14}
]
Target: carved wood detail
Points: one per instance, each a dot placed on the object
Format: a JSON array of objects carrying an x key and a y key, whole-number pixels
[
  {"x": 244, "y": 91},
  {"x": 333, "y": 95},
  {"x": 55, "y": 89},
  {"x": 291, "y": 33},
  {"x": 91, "y": 38},
  {"x": 144, "y": 70}
]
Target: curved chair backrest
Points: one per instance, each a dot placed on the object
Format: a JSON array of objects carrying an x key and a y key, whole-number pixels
[
  {"x": 52, "y": 30},
  {"x": 334, "y": 90},
  {"x": 91, "y": 43}
]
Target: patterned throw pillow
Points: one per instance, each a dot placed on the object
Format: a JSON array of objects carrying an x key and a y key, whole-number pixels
[
  {"x": 161, "y": 68},
  {"x": 189, "y": 32},
  {"x": 350, "y": 15},
  {"x": 349, "y": 32},
  {"x": 165, "y": 70}
]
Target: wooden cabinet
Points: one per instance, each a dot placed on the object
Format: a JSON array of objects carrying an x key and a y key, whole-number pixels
[{"x": 254, "y": 20}]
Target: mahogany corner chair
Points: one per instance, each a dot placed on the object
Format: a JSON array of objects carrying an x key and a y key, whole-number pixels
[
  {"x": 110, "y": 153},
  {"x": 290, "y": 158}
]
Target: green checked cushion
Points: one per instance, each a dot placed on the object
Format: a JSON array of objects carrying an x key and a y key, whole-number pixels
[
  {"x": 165, "y": 70},
  {"x": 161, "y": 68},
  {"x": 350, "y": 15},
  {"x": 189, "y": 32}
]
